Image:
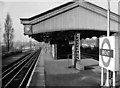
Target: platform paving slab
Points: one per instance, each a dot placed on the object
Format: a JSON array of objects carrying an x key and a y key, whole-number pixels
[{"x": 38, "y": 78}]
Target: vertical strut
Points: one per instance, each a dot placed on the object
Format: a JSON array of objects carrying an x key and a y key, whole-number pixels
[{"x": 77, "y": 48}]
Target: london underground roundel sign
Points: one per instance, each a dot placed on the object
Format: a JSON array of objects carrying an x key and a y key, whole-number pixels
[{"x": 108, "y": 50}]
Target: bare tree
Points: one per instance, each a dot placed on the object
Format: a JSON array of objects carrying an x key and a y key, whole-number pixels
[{"x": 8, "y": 35}]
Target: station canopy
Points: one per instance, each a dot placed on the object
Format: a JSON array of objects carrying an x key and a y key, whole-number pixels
[{"x": 62, "y": 22}]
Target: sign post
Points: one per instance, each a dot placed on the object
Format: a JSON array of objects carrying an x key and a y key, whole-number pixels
[
  {"x": 109, "y": 55},
  {"x": 108, "y": 33},
  {"x": 109, "y": 58},
  {"x": 108, "y": 19},
  {"x": 102, "y": 74}
]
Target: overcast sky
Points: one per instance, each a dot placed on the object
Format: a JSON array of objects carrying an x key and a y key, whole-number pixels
[{"x": 27, "y": 8}]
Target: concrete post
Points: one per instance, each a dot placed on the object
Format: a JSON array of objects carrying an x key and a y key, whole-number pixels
[
  {"x": 73, "y": 54},
  {"x": 53, "y": 51}
]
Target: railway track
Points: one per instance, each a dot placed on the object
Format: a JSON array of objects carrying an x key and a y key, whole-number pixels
[
  {"x": 86, "y": 55},
  {"x": 18, "y": 74},
  {"x": 10, "y": 65}
]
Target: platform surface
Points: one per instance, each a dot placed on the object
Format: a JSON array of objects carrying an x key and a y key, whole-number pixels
[
  {"x": 58, "y": 73},
  {"x": 52, "y": 73},
  {"x": 38, "y": 76}
]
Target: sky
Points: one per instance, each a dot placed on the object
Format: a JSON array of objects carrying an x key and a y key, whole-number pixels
[{"x": 28, "y": 8}]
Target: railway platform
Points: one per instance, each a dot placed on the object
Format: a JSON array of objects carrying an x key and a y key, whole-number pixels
[{"x": 49, "y": 72}]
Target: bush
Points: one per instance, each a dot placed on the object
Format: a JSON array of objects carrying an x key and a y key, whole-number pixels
[{"x": 10, "y": 53}]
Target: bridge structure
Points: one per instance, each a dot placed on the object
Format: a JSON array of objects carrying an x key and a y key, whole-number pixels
[{"x": 60, "y": 25}]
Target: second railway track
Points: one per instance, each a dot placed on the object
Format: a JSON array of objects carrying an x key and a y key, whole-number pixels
[{"x": 18, "y": 75}]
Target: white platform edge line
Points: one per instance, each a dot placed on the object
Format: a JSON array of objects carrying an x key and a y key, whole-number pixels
[{"x": 33, "y": 70}]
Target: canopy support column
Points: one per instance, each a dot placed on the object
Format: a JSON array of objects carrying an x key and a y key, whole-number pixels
[{"x": 77, "y": 52}]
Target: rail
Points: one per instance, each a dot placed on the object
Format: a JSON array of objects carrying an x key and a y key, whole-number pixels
[{"x": 18, "y": 74}]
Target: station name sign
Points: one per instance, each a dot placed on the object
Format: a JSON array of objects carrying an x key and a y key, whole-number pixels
[
  {"x": 106, "y": 52},
  {"x": 109, "y": 53}
]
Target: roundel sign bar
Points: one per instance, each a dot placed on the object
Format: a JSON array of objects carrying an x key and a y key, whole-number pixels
[{"x": 108, "y": 53}]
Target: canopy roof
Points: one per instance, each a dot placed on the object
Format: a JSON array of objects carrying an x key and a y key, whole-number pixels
[{"x": 77, "y": 15}]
